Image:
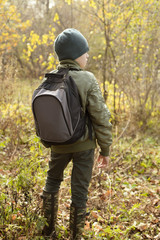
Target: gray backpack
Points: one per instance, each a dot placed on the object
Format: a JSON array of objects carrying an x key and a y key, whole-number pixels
[{"x": 57, "y": 110}]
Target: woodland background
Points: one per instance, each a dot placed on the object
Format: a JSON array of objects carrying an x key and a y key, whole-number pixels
[{"x": 124, "y": 39}]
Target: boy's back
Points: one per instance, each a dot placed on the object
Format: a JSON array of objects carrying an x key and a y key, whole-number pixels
[{"x": 71, "y": 48}]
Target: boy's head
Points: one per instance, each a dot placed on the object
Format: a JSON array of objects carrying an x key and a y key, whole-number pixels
[{"x": 70, "y": 44}]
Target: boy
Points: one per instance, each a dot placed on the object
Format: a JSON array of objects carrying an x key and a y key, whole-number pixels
[{"x": 72, "y": 49}]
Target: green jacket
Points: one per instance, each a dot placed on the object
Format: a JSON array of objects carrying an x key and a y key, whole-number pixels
[{"x": 93, "y": 101}]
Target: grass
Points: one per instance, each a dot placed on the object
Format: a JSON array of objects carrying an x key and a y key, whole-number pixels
[{"x": 123, "y": 199}]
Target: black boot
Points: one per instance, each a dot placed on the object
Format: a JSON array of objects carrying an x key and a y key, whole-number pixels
[
  {"x": 50, "y": 209},
  {"x": 77, "y": 222}
]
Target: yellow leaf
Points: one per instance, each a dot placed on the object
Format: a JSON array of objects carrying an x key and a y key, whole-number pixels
[
  {"x": 24, "y": 38},
  {"x": 56, "y": 17},
  {"x": 92, "y": 3},
  {"x": 69, "y": 2},
  {"x": 44, "y": 39}
]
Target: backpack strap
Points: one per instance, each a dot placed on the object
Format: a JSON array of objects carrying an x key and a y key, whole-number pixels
[
  {"x": 89, "y": 125},
  {"x": 59, "y": 74},
  {"x": 65, "y": 71},
  {"x": 87, "y": 113}
]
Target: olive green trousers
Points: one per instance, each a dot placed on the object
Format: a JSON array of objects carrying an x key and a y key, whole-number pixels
[{"x": 80, "y": 177}]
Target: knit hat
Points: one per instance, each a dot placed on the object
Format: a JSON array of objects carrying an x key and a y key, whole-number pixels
[{"x": 70, "y": 44}]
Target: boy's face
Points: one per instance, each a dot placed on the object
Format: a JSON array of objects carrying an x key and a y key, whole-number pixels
[{"x": 82, "y": 60}]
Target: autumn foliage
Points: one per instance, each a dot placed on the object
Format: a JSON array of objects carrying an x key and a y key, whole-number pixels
[{"x": 124, "y": 39}]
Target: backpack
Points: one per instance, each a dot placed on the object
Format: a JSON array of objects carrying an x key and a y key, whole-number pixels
[{"x": 56, "y": 106}]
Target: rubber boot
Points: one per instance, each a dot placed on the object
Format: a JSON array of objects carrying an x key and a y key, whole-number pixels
[
  {"x": 77, "y": 222},
  {"x": 50, "y": 209}
]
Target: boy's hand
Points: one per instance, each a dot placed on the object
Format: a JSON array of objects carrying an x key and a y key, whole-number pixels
[{"x": 103, "y": 161}]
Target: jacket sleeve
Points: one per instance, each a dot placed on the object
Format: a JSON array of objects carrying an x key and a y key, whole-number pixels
[{"x": 100, "y": 116}]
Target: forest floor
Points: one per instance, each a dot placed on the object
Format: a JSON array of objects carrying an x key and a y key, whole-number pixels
[{"x": 124, "y": 199}]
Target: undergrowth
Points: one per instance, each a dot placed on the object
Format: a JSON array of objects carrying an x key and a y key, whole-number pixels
[{"x": 124, "y": 200}]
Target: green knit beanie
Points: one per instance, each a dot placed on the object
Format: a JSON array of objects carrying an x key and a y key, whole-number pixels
[{"x": 70, "y": 44}]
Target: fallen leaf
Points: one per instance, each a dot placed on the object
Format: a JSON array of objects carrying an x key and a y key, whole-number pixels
[
  {"x": 157, "y": 237},
  {"x": 96, "y": 227},
  {"x": 94, "y": 214},
  {"x": 142, "y": 226},
  {"x": 87, "y": 225},
  {"x": 14, "y": 217}
]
